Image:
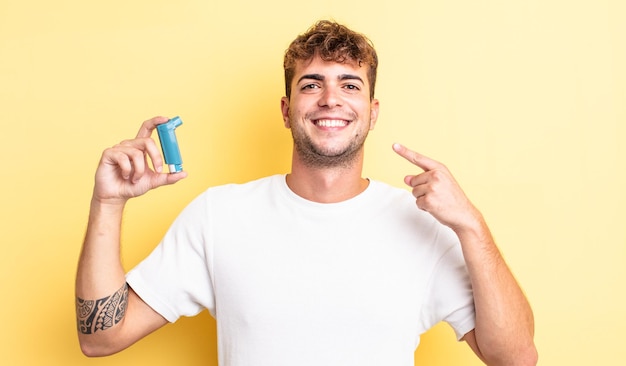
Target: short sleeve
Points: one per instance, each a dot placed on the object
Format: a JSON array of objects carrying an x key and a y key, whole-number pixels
[
  {"x": 449, "y": 296},
  {"x": 175, "y": 279}
]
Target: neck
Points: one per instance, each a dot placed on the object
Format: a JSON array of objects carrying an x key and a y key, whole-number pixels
[{"x": 326, "y": 184}]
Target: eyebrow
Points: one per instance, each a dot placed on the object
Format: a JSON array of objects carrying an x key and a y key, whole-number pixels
[{"x": 320, "y": 77}]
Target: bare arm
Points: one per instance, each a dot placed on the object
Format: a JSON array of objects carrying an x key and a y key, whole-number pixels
[
  {"x": 504, "y": 320},
  {"x": 110, "y": 316}
]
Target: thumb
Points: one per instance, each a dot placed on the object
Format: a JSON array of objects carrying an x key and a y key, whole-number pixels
[
  {"x": 164, "y": 179},
  {"x": 173, "y": 178}
]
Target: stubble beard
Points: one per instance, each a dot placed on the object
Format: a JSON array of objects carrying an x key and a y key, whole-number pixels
[{"x": 316, "y": 156}]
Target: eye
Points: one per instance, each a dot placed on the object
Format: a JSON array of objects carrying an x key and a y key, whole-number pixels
[
  {"x": 352, "y": 87},
  {"x": 309, "y": 86}
]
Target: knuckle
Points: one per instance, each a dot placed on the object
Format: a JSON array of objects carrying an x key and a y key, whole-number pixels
[
  {"x": 422, "y": 203},
  {"x": 123, "y": 143},
  {"x": 147, "y": 124},
  {"x": 136, "y": 154},
  {"x": 437, "y": 175}
]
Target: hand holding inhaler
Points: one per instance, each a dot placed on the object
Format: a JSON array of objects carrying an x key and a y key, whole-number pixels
[{"x": 169, "y": 144}]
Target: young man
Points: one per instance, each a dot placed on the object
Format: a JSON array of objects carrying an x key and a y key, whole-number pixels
[{"x": 316, "y": 267}]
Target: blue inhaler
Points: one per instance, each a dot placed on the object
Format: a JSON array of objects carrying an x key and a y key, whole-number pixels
[{"x": 169, "y": 145}]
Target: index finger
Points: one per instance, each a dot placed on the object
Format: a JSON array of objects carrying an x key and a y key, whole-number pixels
[
  {"x": 415, "y": 158},
  {"x": 148, "y": 126}
]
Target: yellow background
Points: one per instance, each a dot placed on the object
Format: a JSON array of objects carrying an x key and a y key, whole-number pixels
[{"x": 523, "y": 100}]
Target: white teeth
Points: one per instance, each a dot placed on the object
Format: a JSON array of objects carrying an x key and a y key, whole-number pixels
[{"x": 331, "y": 123}]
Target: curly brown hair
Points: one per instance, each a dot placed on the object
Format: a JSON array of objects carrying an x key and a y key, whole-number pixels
[{"x": 332, "y": 42}]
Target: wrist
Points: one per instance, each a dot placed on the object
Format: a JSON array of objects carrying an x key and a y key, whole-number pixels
[
  {"x": 474, "y": 227},
  {"x": 107, "y": 206}
]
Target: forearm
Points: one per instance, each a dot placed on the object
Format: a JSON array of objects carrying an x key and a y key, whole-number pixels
[
  {"x": 100, "y": 270},
  {"x": 504, "y": 320},
  {"x": 101, "y": 291}
]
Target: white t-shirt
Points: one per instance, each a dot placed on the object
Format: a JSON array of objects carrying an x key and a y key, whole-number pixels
[{"x": 294, "y": 282}]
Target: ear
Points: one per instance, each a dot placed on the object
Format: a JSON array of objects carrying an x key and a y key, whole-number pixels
[
  {"x": 284, "y": 107},
  {"x": 374, "y": 108}
]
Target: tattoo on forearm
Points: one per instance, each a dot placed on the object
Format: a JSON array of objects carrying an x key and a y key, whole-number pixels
[{"x": 95, "y": 315}]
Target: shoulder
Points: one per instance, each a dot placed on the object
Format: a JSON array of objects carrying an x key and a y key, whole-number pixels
[
  {"x": 382, "y": 188},
  {"x": 237, "y": 196},
  {"x": 394, "y": 198},
  {"x": 399, "y": 205}
]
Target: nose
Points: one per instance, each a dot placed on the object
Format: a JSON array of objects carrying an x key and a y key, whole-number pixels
[{"x": 330, "y": 98}]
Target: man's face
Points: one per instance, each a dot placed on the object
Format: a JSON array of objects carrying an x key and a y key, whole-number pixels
[{"x": 329, "y": 111}]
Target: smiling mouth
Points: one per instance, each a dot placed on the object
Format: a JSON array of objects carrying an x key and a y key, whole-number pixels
[{"x": 331, "y": 122}]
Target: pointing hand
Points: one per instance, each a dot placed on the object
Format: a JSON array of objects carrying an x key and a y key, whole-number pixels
[{"x": 437, "y": 192}]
